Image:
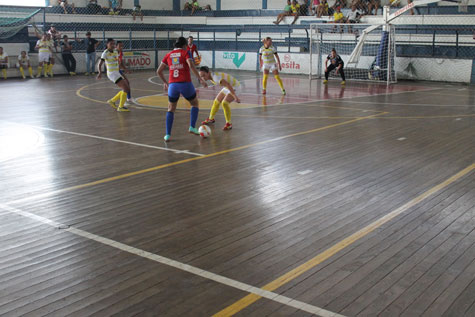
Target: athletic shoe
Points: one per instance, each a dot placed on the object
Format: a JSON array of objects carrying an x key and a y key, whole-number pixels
[
  {"x": 123, "y": 109},
  {"x": 193, "y": 130},
  {"x": 167, "y": 137},
  {"x": 130, "y": 102},
  {"x": 325, "y": 82},
  {"x": 32, "y": 76},
  {"x": 227, "y": 126},
  {"x": 51, "y": 75},
  {"x": 86, "y": 74},
  {"x": 112, "y": 104},
  {"x": 343, "y": 82},
  {"x": 73, "y": 73},
  {"x": 208, "y": 121},
  {"x": 263, "y": 91},
  {"x": 38, "y": 76},
  {"x": 93, "y": 74},
  {"x": 46, "y": 76},
  {"x": 283, "y": 92},
  {"x": 24, "y": 77}
]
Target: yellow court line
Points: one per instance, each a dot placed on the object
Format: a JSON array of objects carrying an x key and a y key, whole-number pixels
[
  {"x": 325, "y": 255},
  {"x": 155, "y": 168}
]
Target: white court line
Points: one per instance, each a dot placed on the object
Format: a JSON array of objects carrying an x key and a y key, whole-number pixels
[
  {"x": 110, "y": 139},
  {"x": 177, "y": 265}
]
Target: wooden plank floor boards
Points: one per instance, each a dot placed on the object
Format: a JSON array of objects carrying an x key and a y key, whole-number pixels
[{"x": 246, "y": 214}]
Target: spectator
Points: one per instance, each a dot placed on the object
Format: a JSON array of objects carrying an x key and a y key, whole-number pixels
[
  {"x": 68, "y": 57},
  {"x": 115, "y": 6},
  {"x": 338, "y": 17},
  {"x": 91, "y": 46},
  {"x": 55, "y": 36},
  {"x": 3, "y": 62},
  {"x": 303, "y": 7},
  {"x": 93, "y": 7},
  {"x": 322, "y": 8},
  {"x": 287, "y": 12},
  {"x": 338, "y": 3},
  {"x": 64, "y": 4},
  {"x": 195, "y": 6},
  {"x": 313, "y": 8},
  {"x": 374, "y": 4},
  {"x": 137, "y": 11},
  {"x": 353, "y": 16},
  {"x": 295, "y": 8}
]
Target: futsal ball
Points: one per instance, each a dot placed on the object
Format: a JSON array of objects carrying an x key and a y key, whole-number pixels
[
  {"x": 204, "y": 131},
  {"x": 197, "y": 60}
]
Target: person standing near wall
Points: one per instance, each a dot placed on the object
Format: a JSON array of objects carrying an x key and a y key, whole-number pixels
[
  {"x": 68, "y": 57},
  {"x": 91, "y": 46}
]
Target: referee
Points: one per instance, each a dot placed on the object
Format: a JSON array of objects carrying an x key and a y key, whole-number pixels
[{"x": 335, "y": 63}]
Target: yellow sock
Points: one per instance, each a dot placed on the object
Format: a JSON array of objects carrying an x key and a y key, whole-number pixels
[
  {"x": 117, "y": 97},
  {"x": 123, "y": 99},
  {"x": 264, "y": 81},
  {"x": 40, "y": 69},
  {"x": 214, "y": 109},
  {"x": 22, "y": 72},
  {"x": 227, "y": 111},
  {"x": 45, "y": 69},
  {"x": 50, "y": 69},
  {"x": 4, "y": 71},
  {"x": 30, "y": 71},
  {"x": 279, "y": 81}
]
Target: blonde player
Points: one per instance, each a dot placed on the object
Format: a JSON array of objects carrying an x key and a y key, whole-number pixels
[
  {"x": 51, "y": 56},
  {"x": 44, "y": 50},
  {"x": 267, "y": 61},
  {"x": 224, "y": 97},
  {"x": 111, "y": 57},
  {"x": 24, "y": 62},
  {"x": 3, "y": 62}
]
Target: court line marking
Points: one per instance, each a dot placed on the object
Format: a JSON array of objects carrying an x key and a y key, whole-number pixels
[
  {"x": 109, "y": 139},
  {"x": 176, "y": 264},
  {"x": 158, "y": 167},
  {"x": 406, "y": 104},
  {"x": 331, "y": 251}
]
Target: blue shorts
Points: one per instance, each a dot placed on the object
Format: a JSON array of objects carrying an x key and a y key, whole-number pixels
[{"x": 187, "y": 90}]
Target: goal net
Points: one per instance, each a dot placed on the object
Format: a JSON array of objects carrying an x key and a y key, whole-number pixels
[
  {"x": 368, "y": 51},
  {"x": 14, "y": 19}
]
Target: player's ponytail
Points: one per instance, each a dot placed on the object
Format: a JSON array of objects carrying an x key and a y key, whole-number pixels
[{"x": 180, "y": 42}]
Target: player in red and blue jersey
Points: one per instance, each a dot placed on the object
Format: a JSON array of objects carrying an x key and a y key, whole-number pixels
[{"x": 180, "y": 63}]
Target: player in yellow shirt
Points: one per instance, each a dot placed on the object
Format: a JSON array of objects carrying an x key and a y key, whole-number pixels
[
  {"x": 269, "y": 61},
  {"x": 295, "y": 8},
  {"x": 111, "y": 57},
  {"x": 3, "y": 62},
  {"x": 224, "y": 97},
  {"x": 24, "y": 62}
]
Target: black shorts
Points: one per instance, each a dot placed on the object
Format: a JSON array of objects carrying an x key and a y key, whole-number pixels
[{"x": 118, "y": 80}]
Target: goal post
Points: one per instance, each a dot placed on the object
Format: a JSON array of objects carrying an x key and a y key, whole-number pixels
[{"x": 368, "y": 51}]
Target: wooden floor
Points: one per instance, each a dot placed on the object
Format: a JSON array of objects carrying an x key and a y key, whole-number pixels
[{"x": 358, "y": 201}]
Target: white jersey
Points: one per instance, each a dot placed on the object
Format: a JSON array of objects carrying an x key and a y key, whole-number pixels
[
  {"x": 3, "y": 58},
  {"x": 268, "y": 54},
  {"x": 44, "y": 46},
  {"x": 23, "y": 60},
  {"x": 111, "y": 59},
  {"x": 217, "y": 77}
]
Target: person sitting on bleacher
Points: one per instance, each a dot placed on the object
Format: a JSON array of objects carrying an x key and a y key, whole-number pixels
[
  {"x": 137, "y": 11},
  {"x": 295, "y": 8},
  {"x": 287, "y": 12},
  {"x": 115, "y": 6},
  {"x": 93, "y": 7},
  {"x": 195, "y": 6},
  {"x": 338, "y": 3},
  {"x": 24, "y": 62},
  {"x": 322, "y": 9},
  {"x": 64, "y": 4},
  {"x": 374, "y": 4}
]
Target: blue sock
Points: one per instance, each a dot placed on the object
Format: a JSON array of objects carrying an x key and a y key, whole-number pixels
[
  {"x": 194, "y": 116},
  {"x": 129, "y": 95},
  {"x": 170, "y": 116}
]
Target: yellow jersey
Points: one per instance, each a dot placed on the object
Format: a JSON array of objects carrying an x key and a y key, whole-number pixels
[
  {"x": 3, "y": 58},
  {"x": 268, "y": 54},
  {"x": 44, "y": 46},
  {"x": 112, "y": 60},
  {"x": 217, "y": 77}
]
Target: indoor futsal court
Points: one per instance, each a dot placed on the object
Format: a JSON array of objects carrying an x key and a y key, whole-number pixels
[{"x": 328, "y": 201}]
